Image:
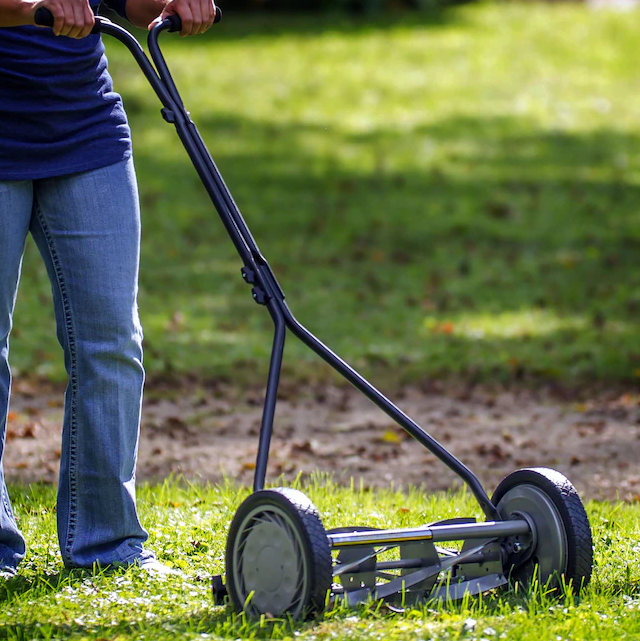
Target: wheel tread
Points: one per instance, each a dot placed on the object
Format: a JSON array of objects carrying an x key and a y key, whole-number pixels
[{"x": 321, "y": 552}]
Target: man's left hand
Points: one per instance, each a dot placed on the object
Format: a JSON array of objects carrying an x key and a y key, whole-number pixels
[{"x": 197, "y": 15}]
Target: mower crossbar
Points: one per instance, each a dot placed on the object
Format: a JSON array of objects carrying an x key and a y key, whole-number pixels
[{"x": 435, "y": 533}]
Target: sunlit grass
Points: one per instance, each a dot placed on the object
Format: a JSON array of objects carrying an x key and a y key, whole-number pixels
[
  {"x": 188, "y": 524},
  {"x": 525, "y": 324}
]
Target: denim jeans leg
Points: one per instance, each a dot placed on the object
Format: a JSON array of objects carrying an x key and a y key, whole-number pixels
[
  {"x": 16, "y": 198},
  {"x": 87, "y": 228}
]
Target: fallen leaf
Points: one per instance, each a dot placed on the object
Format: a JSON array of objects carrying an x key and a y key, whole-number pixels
[
  {"x": 446, "y": 328},
  {"x": 390, "y": 437},
  {"x": 30, "y": 430},
  {"x": 176, "y": 422},
  {"x": 302, "y": 447},
  {"x": 496, "y": 451}
]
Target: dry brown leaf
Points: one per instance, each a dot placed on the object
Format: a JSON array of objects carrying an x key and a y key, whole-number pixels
[{"x": 30, "y": 430}]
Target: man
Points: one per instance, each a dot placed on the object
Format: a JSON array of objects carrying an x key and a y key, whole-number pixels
[{"x": 67, "y": 177}]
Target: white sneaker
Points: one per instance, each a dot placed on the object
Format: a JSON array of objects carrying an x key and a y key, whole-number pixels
[{"x": 153, "y": 566}]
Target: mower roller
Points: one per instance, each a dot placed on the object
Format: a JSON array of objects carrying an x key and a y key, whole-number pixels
[{"x": 280, "y": 560}]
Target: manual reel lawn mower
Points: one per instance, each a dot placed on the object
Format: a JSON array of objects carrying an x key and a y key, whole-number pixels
[{"x": 279, "y": 558}]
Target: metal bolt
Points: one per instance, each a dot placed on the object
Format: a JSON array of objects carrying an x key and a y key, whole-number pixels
[{"x": 517, "y": 546}]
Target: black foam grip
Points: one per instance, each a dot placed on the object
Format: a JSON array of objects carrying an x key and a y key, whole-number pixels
[
  {"x": 43, "y": 17},
  {"x": 176, "y": 22}
]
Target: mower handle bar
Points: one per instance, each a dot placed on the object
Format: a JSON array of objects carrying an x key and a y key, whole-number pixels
[
  {"x": 157, "y": 73},
  {"x": 257, "y": 270},
  {"x": 44, "y": 18}
]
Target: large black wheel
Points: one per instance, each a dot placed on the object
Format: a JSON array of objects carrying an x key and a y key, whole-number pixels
[
  {"x": 278, "y": 555},
  {"x": 561, "y": 543}
]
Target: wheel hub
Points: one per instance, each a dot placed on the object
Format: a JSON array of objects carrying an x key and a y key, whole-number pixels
[
  {"x": 549, "y": 547},
  {"x": 270, "y": 570}
]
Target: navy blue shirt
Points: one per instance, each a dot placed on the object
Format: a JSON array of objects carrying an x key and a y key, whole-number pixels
[{"x": 58, "y": 111}]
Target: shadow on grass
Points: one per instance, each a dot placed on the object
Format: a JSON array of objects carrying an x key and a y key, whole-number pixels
[
  {"x": 56, "y": 581},
  {"x": 514, "y": 221},
  {"x": 506, "y": 251},
  {"x": 44, "y": 584}
]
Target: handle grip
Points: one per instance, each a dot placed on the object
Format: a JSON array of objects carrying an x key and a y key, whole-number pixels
[
  {"x": 176, "y": 21},
  {"x": 43, "y": 17}
]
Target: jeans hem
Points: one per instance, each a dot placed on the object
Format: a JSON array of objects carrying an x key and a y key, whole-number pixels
[{"x": 135, "y": 558}]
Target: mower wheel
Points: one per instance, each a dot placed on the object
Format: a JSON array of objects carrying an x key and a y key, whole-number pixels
[
  {"x": 561, "y": 543},
  {"x": 278, "y": 555}
]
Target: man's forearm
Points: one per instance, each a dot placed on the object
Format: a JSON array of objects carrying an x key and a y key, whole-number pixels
[
  {"x": 142, "y": 12},
  {"x": 14, "y": 13}
]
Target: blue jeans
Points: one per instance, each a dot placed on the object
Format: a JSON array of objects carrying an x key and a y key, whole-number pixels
[{"x": 87, "y": 229}]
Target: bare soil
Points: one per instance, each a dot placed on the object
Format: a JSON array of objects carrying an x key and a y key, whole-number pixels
[{"x": 209, "y": 431}]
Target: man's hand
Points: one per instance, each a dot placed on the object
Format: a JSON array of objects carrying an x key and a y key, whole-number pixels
[
  {"x": 197, "y": 15},
  {"x": 72, "y": 18}
]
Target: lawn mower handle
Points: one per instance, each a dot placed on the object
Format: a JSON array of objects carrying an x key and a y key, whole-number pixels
[
  {"x": 256, "y": 270},
  {"x": 158, "y": 76},
  {"x": 44, "y": 18}
]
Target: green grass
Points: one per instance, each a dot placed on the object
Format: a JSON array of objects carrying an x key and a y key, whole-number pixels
[
  {"x": 451, "y": 194},
  {"x": 188, "y": 523}
]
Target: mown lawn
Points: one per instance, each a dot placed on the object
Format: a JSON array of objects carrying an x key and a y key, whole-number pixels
[
  {"x": 446, "y": 194},
  {"x": 188, "y": 525}
]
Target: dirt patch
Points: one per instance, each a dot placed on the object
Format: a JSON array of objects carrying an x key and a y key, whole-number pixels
[{"x": 210, "y": 431}]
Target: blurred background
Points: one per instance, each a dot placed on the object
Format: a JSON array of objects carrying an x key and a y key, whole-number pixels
[{"x": 444, "y": 189}]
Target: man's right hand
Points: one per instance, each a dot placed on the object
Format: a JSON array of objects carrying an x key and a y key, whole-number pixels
[{"x": 71, "y": 18}]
